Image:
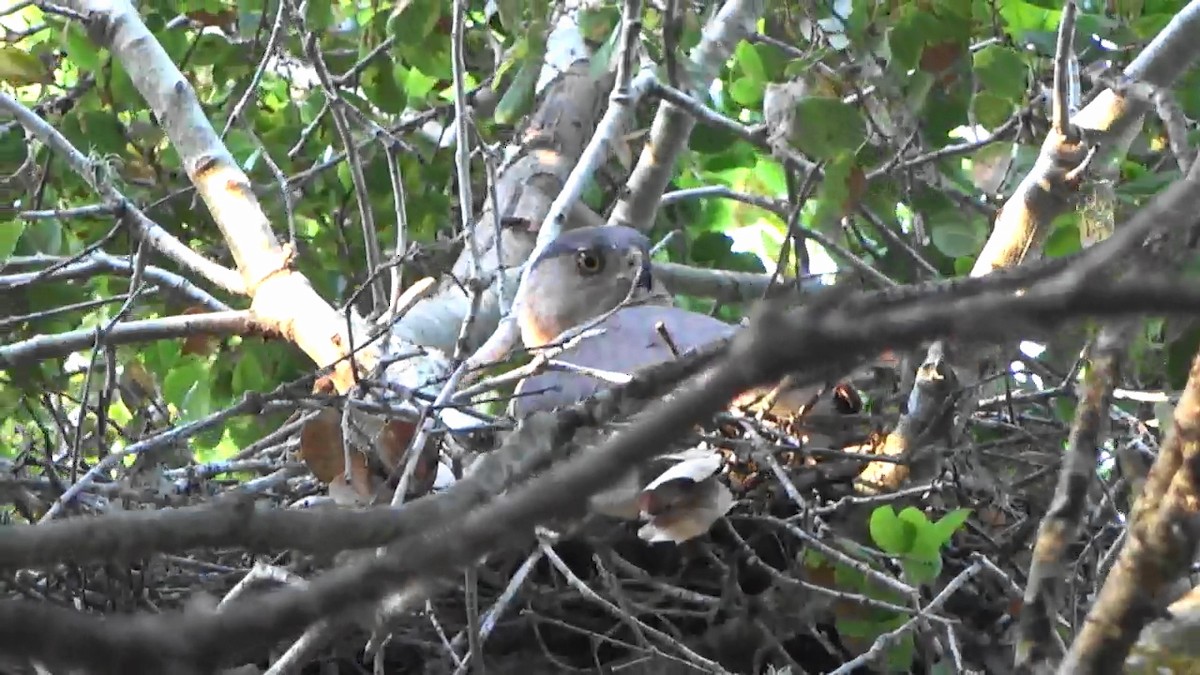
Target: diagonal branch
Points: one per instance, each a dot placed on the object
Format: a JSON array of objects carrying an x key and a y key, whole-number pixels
[
  {"x": 283, "y": 300},
  {"x": 1105, "y": 123},
  {"x": 779, "y": 339},
  {"x": 672, "y": 124}
]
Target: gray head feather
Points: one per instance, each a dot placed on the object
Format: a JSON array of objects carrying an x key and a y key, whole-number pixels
[{"x": 583, "y": 238}]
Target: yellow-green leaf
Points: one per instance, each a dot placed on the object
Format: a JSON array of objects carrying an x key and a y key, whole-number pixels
[{"x": 20, "y": 68}]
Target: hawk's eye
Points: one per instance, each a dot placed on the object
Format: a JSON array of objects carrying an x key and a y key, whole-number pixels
[{"x": 589, "y": 262}]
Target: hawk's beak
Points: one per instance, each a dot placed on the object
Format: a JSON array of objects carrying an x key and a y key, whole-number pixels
[{"x": 638, "y": 266}]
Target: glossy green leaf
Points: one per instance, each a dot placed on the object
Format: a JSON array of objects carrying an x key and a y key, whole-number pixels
[{"x": 914, "y": 516}]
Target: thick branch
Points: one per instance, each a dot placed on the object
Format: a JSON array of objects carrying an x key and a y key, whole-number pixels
[
  {"x": 129, "y": 332},
  {"x": 673, "y": 125},
  {"x": 1159, "y": 549},
  {"x": 282, "y": 299},
  {"x": 1046, "y": 192}
]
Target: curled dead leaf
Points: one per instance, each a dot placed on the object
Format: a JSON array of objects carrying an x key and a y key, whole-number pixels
[
  {"x": 684, "y": 501},
  {"x": 322, "y": 451}
]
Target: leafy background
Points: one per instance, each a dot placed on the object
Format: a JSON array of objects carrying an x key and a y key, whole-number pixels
[
  {"x": 932, "y": 63},
  {"x": 947, "y": 73}
]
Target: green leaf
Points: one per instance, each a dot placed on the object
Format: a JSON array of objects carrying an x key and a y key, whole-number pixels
[
  {"x": 912, "y": 514},
  {"x": 845, "y": 576},
  {"x": 248, "y": 373},
  {"x": 44, "y": 236},
  {"x": 857, "y": 628},
  {"x": 417, "y": 85},
  {"x": 597, "y": 22},
  {"x": 241, "y": 144},
  {"x": 10, "y": 232},
  {"x": 826, "y": 127},
  {"x": 412, "y": 22},
  {"x": 603, "y": 58},
  {"x": 907, "y": 38},
  {"x": 318, "y": 14},
  {"x": 917, "y": 90},
  {"x": 79, "y": 47},
  {"x": 104, "y": 133},
  {"x": 125, "y": 96},
  {"x": 1180, "y": 353},
  {"x": 921, "y": 570},
  {"x": 1146, "y": 27},
  {"x": 751, "y": 63},
  {"x": 1025, "y": 17},
  {"x": 197, "y": 403},
  {"x": 1064, "y": 409},
  {"x": 1063, "y": 240},
  {"x": 834, "y": 191},
  {"x": 948, "y": 524},
  {"x": 955, "y": 234},
  {"x": 900, "y": 655},
  {"x": 162, "y": 355},
  {"x": 889, "y": 532},
  {"x": 814, "y": 558},
  {"x": 1002, "y": 71},
  {"x": 747, "y": 92},
  {"x": 380, "y": 86},
  {"x": 19, "y": 68},
  {"x": 181, "y": 380},
  {"x": 923, "y": 562},
  {"x": 519, "y": 97},
  {"x": 991, "y": 110}
]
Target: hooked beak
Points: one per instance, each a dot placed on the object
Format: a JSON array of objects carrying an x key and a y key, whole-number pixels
[{"x": 638, "y": 268}]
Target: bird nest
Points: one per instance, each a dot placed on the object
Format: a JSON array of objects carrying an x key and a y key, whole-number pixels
[{"x": 810, "y": 569}]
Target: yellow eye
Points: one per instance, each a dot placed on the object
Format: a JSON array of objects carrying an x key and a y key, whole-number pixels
[{"x": 589, "y": 262}]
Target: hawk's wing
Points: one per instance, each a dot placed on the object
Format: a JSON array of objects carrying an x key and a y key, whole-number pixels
[{"x": 629, "y": 342}]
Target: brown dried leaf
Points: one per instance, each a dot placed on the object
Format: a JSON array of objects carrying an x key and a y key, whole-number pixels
[{"x": 321, "y": 447}]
